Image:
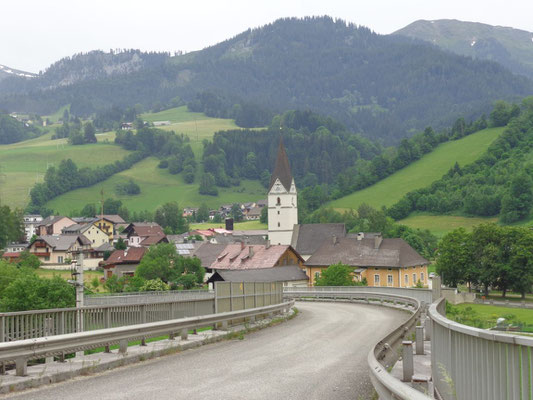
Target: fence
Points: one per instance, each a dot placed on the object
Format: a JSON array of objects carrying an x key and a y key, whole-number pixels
[
  {"x": 23, "y": 350},
  {"x": 109, "y": 299},
  {"x": 424, "y": 295},
  {"x": 474, "y": 364},
  {"x": 231, "y": 296}
]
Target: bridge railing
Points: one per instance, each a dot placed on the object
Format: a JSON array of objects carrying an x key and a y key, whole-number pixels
[
  {"x": 385, "y": 353},
  {"x": 475, "y": 364},
  {"x": 423, "y": 295},
  {"x": 21, "y": 351},
  {"x": 139, "y": 309},
  {"x": 111, "y": 299}
]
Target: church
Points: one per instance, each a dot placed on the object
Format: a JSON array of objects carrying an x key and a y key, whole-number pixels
[{"x": 376, "y": 260}]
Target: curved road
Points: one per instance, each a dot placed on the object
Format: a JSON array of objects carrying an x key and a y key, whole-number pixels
[{"x": 321, "y": 354}]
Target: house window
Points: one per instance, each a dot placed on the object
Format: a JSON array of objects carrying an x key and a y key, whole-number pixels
[
  {"x": 414, "y": 279},
  {"x": 406, "y": 279},
  {"x": 389, "y": 280},
  {"x": 279, "y": 201},
  {"x": 278, "y": 212},
  {"x": 317, "y": 275},
  {"x": 47, "y": 258},
  {"x": 60, "y": 259},
  {"x": 376, "y": 280},
  {"x": 422, "y": 276},
  {"x": 279, "y": 224}
]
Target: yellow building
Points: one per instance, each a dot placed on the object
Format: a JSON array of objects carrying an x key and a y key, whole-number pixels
[
  {"x": 108, "y": 224},
  {"x": 383, "y": 262}
]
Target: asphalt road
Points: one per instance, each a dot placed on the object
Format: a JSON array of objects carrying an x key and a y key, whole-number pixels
[{"x": 321, "y": 354}]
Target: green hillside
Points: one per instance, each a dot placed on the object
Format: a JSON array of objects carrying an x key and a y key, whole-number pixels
[
  {"x": 196, "y": 125},
  {"x": 422, "y": 172},
  {"x": 23, "y": 164},
  {"x": 158, "y": 186},
  {"x": 439, "y": 225}
]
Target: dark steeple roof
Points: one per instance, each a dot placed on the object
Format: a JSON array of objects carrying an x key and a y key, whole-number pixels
[{"x": 282, "y": 170}]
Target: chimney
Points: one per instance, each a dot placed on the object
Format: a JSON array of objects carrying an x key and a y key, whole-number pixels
[
  {"x": 360, "y": 235},
  {"x": 377, "y": 241},
  {"x": 251, "y": 251}
]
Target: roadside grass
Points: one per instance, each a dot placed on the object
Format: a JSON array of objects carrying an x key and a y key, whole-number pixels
[
  {"x": 23, "y": 164},
  {"x": 88, "y": 276},
  {"x": 421, "y": 173},
  {"x": 158, "y": 187},
  {"x": 246, "y": 225},
  {"x": 485, "y": 316},
  {"x": 440, "y": 225}
]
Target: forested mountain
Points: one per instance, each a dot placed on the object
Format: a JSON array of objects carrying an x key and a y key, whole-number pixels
[
  {"x": 12, "y": 130},
  {"x": 384, "y": 87},
  {"x": 513, "y": 48}
]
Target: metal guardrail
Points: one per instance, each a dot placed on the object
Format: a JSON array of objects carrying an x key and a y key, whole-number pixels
[
  {"x": 23, "y": 350},
  {"x": 383, "y": 355},
  {"x": 123, "y": 298},
  {"x": 424, "y": 295},
  {"x": 476, "y": 364}
]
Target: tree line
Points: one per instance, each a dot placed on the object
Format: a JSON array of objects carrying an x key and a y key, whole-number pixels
[
  {"x": 13, "y": 130},
  {"x": 491, "y": 256}
]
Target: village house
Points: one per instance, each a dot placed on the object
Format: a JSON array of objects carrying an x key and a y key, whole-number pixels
[
  {"x": 109, "y": 224},
  {"x": 57, "y": 250},
  {"x": 123, "y": 262},
  {"x": 307, "y": 238},
  {"x": 144, "y": 234},
  {"x": 383, "y": 262},
  {"x": 31, "y": 224},
  {"x": 96, "y": 236},
  {"x": 53, "y": 225},
  {"x": 241, "y": 256},
  {"x": 291, "y": 276}
]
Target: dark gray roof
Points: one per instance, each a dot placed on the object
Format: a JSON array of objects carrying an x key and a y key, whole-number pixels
[
  {"x": 282, "y": 169},
  {"x": 307, "y": 238},
  {"x": 276, "y": 274},
  {"x": 63, "y": 242},
  {"x": 105, "y": 247},
  {"x": 391, "y": 253},
  {"x": 51, "y": 219},
  {"x": 229, "y": 239},
  {"x": 208, "y": 253}
]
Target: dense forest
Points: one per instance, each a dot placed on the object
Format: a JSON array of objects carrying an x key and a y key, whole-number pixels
[
  {"x": 499, "y": 183},
  {"x": 13, "y": 131},
  {"x": 383, "y": 87}
]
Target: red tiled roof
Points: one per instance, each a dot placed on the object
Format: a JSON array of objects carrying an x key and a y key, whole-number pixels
[
  {"x": 237, "y": 256},
  {"x": 130, "y": 256}
]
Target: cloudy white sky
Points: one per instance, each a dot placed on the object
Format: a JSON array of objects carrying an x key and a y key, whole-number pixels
[{"x": 35, "y": 33}]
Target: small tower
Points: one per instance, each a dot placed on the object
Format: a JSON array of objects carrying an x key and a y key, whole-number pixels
[{"x": 282, "y": 201}]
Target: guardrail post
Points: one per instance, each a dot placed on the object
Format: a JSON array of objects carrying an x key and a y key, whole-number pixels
[
  {"x": 407, "y": 361},
  {"x": 225, "y": 325},
  {"x": 427, "y": 327},
  {"x": 107, "y": 318},
  {"x": 48, "y": 330},
  {"x": 2, "y": 329},
  {"x": 123, "y": 349},
  {"x": 184, "y": 334},
  {"x": 143, "y": 313},
  {"x": 420, "y": 340},
  {"x": 21, "y": 366},
  {"x": 252, "y": 319}
]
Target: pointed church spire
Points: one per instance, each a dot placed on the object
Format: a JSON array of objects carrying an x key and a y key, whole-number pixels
[{"x": 282, "y": 169}]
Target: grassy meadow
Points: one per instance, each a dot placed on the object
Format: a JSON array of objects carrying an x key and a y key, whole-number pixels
[
  {"x": 197, "y": 126},
  {"x": 439, "y": 225},
  {"x": 158, "y": 186},
  {"x": 23, "y": 164},
  {"x": 422, "y": 172}
]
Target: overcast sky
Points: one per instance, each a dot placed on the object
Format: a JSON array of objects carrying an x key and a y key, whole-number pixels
[{"x": 35, "y": 33}]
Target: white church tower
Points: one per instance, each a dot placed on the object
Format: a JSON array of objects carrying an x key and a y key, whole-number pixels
[{"x": 282, "y": 201}]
